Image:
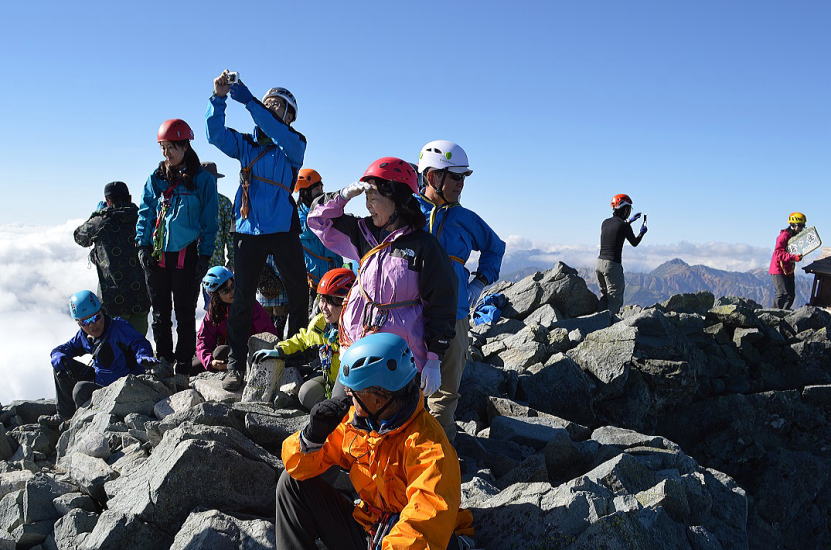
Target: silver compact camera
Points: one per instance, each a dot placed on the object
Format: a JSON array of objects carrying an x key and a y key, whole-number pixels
[{"x": 232, "y": 77}]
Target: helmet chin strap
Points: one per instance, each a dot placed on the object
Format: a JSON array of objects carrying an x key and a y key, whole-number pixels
[
  {"x": 440, "y": 188},
  {"x": 392, "y": 220},
  {"x": 374, "y": 418}
]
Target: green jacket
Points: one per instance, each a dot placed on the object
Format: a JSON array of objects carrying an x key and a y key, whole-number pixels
[{"x": 318, "y": 334}]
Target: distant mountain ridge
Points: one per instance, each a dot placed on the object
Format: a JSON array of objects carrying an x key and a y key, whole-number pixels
[{"x": 677, "y": 277}]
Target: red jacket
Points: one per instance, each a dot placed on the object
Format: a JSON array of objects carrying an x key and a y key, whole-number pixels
[
  {"x": 211, "y": 334},
  {"x": 782, "y": 262}
]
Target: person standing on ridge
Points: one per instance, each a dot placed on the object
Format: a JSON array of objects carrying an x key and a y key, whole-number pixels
[
  {"x": 405, "y": 283},
  {"x": 609, "y": 269},
  {"x": 444, "y": 167},
  {"x": 782, "y": 263},
  {"x": 111, "y": 231},
  {"x": 175, "y": 233},
  {"x": 319, "y": 259},
  {"x": 224, "y": 245},
  {"x": 264, "y": 210}
]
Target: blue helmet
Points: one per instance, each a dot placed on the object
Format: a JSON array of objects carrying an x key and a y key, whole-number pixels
[
  {"x": 216, "y": 277},
  {"x": 83, "y": 304},
  {"x": 380, "y": 359}
]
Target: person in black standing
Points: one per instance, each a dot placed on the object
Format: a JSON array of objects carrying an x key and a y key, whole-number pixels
[{"x": 609, "y": 269}]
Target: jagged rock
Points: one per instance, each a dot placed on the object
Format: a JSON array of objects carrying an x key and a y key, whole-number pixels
[
  {"x": 208, "y": 414},
  {"x": 575, "y": 336},
  {"x": 29, "y": 535},
  {"x": 31, "y": 439},
  {"x": 523, "y": 297},
  {"x": 522, "y": 356},
  {"x": 733, "y": 315},
  {"x": 218, "y": 531},
  {"x": 586, "y": 323},
  {"x": 261, "y": 379},
  {"x": 211, "y": 466},
  {"x": 563, "y": 288},
  {"x": 72, "y": 501},
  {"x": 180, "y": 401},
  {"x": 90, "y": 474},
  {"x": 19, "y": 413},
  {"x": 697, "y": 302},
  {"x": 119, "y": 530},
  {"x": 818, "y": 395},
  {"x": 14, "y": 481},
  {"x": 94, "y": 444},
  {"x": 7, "y": 445},
  {"x": 476, "y": 491},
  {"x": 545, "y": 315},
  {"x": 533, "y": 432},
  {"x": 737, "y": 301},
  {"x": 560, "y": 388},
  {"x": 530, "y": 470},
  {"x": 11, "y": 511},
  {"x": 72, "y": 529},
  {"x": 624, "y": 439},
  {"x": 38, "y": 495},
  {"x": 136, "y": 421},
  {"x": 290, "y": 381},
  {"x": 7, "y": 541},
  {"x": 128, "y": 459},
  {"x": 558, "y": 341},
  {"x": 209, "y": 386},
  {"x": 503, "y": 328},
  {"x": 130, "y": 394},
  {"x": 269, "y": 429},
  {"x": 743, "y": 337},
  {"x": 84, "y": 422},
  {"x": 809, "y": 317}
]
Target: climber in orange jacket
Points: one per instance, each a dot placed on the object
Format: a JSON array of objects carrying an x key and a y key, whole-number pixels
[{"x": 398, "y": 457}]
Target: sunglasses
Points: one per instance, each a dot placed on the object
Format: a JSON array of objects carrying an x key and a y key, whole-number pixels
[
  {"x": 90, "y": 320},
  {"x": 455, "y": 176},
  {"x": 336, "y": 301}
]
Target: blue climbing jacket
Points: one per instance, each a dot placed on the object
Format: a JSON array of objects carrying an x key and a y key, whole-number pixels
[
  {"x": 319, "y": 259},
  {"x": 272, "y": 176},
  {"x": 461, "y": 231},
  {"x": 118, "y": 352},
  {"x": 191, "y": 214},
  {"x": 489, "y": 309}
]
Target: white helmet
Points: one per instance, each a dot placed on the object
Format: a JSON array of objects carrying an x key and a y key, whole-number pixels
[
  {"x": 283, "y": 94},
  {"x": 443, "y": 155}
]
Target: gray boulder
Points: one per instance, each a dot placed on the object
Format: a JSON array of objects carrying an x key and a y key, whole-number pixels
[
  {"x": 179, "y": 401},
  {"x": 116, "y": 529},
  {"x": 217, "y": 531},
  {"x": 14, "y": 481},
  {"x": 261, "y": 379},
  {"x": 545, "y": 315},
  {"x": 586, "y": 323},
  {"x": 209, "y": 386},
  {"x": 696, "y": 302},
  {"x": 208, "y": 413},
  {"x": 130, "y": 394},
  {"x": 7, "y": 445},
  {"x": 18, "y": 413},
  {"x": 88, "y": 473},
  {"x": 72, "y": 501},
  {"x": 560, "y": 388},
  {"x": 564, "y": 289},
  {"x": 72, "y": 529}
]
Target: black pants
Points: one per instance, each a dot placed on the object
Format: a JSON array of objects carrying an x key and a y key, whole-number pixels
[
  {"x": 250, "y": 252},
  {"x": 220, "y": 354},
  {"x": 182, "y": 285},
  {"x": 73, "y": 386},
  {"x": 312, "y": 509},
  {"x": 785, "y": 290}
]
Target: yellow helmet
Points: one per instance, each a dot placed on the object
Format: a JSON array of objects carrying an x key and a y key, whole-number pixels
[{"x": 797, "y": 218}]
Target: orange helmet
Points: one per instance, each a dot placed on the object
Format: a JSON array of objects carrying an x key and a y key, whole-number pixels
[
  {"x": 336, "y": 282},
  {"x": 621, "y": 200},
  {"x": 306, "y": 178}
]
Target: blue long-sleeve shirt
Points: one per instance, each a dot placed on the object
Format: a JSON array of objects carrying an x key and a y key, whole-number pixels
[
  {"x": 272, "y": 177},
  {"x": 118, "y": 352},
  {"x": 461, "y": 231}
]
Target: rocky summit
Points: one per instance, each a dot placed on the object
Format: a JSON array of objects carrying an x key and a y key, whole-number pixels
[{"x": 696, "y": 423}]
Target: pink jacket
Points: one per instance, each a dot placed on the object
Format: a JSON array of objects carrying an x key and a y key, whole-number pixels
[
  {"x": 406, "y": 267},
  {"x": 211, "y": 335},
  {"x": 782, "y": 262}
]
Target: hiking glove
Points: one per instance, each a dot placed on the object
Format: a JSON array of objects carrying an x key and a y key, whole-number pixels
[
  {"x": 474, "y": 290},
  {"x": 241, "y": 93},
  {"x": 431, "y": 377},
  {"x": 263, "y": 354},
  {"x": 145, "y": 256},
  {"x": 634, "y": 217},
  {"x": 354, "y": 189},
  {"x": 643, "y": 230},
  {"x": 324, "y": 418}
]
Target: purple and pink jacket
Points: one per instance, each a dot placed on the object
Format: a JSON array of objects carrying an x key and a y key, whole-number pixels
[
  {"x": 211, "y": 334},
  {"x": 407, "y": 267},
  {"x": 782, "y": 262}
]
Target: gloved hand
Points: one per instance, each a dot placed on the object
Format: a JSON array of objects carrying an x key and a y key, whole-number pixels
[
  {"x": 202, "y": 264},
  {"x": 431, "y": 377},
  {"x": 354, "y": 189},
  {"x": 101, "y": 206},
  {"x": 633, "y": 217},
  {"x": 241, "y": 93},
  {"x": 263, "y": 354},
  {"x": 145, "y": 256},
  {"x": 474, "y": 290},
  {"x": 325, "y": 417},
  {"x": 643, "y": 230}
]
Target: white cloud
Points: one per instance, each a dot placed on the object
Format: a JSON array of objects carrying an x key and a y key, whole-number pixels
[{"x": 41, "y": 268}]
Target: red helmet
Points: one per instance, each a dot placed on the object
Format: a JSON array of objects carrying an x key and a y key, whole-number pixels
[
  {"x": 393, "y": 169},
  {"x": 619, "y": 201},
  {"x": 174, "y": 129},
  {"x": 336, "y": 282},
  {"x": 306, "y": 178}
]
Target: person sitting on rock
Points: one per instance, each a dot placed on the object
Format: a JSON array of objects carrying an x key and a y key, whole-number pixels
[
  {"x": 117, "y": 350},
  {"x": 609, "y": 269},
  {"x": 321, "y": 333},
  {"x": 212, "y": 339},
  {"x": 401, "y": 464},
  {"x": 782, "y": 263}
]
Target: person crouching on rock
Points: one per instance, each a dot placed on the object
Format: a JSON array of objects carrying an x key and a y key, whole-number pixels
[
  {"x": 609, "y": 269},
  {"x": 401, "y": 464},
  {"x": 782, "y": 263},
  {"x": 117, "y": 350},
  {"x": 321, "y": 333},
  {"x": 212, "y": 339}
]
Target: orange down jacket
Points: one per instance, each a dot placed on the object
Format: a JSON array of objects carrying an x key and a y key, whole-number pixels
[{"x": 412, "y": 470}]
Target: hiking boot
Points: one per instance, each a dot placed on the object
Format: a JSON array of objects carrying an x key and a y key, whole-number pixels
[
  {"x": 54, "y": 421},
  {"x": 232, "y": 380}
]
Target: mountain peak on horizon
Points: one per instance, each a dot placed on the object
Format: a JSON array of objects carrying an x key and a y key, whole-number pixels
[{"x": 671, "y": 265}]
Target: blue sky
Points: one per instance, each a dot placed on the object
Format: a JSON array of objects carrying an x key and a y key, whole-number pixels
[{"x": 714, "y": 116}]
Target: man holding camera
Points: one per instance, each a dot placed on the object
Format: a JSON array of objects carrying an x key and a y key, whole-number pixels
[{"x": 265, "y": 213}]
